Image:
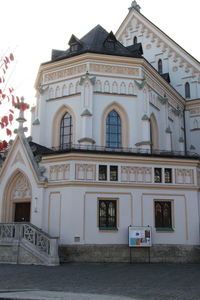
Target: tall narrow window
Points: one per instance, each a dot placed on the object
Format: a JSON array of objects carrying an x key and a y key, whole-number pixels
[
  {"x": 66, "y": 131},
  {"x": 102, "y": 172},
  {"x": 113, "y": 130},
  {"x": 187, "y": 90},
  {"x": 107, "y": 214},
  {"x": 168, "y": 175},
  {"x": 160, "y": 66},
  {"x": 163, "y": 214},
  {"x": 135, "y": 40},
  {"x": 113, "y": 173},
  {"x": 158, "y": 175}
]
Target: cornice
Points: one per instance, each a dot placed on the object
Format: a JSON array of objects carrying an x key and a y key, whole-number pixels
[
  {"x": 91, "y": 157},
  {"x": 192, "y": 103},
  {"x": 116, "y": 185}
]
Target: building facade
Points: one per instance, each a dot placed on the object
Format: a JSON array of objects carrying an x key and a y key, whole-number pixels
[{"x": 114, "y": 142}]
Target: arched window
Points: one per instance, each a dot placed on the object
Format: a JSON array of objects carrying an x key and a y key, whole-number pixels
[
  {"x": 187, "y": 90},
  {"x": 135, "y": 40},
  {"x": 113, "y": 130},
  {"x": 160, "y": 66},
  {"x": 66, "y": 131}
]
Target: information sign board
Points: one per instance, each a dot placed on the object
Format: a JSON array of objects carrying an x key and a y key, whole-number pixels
[{"x": 140, "y": 236}]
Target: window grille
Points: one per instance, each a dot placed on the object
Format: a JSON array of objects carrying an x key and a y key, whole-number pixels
[
  {"x": 107, "y": 214},
  {"x": 163, "y": 214}
]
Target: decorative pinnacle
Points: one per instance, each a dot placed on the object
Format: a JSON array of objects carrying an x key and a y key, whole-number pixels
[
  {"x": 135, "y": 5},
  {"x": 22, "y": 106}
]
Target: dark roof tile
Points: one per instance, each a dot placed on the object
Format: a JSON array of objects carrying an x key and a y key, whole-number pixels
[{"x": 98, "y": 40}]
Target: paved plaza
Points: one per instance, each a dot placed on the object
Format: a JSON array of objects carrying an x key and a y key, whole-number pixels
[{"x": 101, "y": 281}]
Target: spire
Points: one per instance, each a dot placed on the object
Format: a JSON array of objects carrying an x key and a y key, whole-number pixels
[
  {"x": 135, "y": 5},
  {"x": 22, "y": 106}
]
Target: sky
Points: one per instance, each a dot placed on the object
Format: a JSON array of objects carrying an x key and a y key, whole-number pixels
[{"x": 32, "y": 28}]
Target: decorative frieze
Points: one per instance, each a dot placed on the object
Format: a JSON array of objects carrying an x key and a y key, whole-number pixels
[
  {"x": 59, "y": 172},
  {"x": 184, "y": 176},
  {"x": 64, "y": 73},
  {"x": 195, "y": 111},
  {"x": 85, "y": 172},
  {"x": 136, "y": 174},
  {"x": 114, "y": 69}
]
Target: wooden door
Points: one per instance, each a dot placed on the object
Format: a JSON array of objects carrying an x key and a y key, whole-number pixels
[{"x": 22, "y": 212}]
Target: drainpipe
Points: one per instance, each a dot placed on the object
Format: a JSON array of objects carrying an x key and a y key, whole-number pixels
[{"x": 185, "y": 142}]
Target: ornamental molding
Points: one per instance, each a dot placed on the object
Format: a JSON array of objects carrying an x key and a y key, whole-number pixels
[
  {"x": 136, "y": 174},
  {"x": 163, "y": 100},
  {"x": 21, "y": 189},
  {"x": 141, "y": 84},
  {"x": 157, "y": 36},
  {"x": 56, "y": 75},
  {"x": 59, "y": 172},
  {"x": 99, "y": 68},
  {"x": 85, "y": 172},
  {"x": 18, "y": 159},
  {"x": 184, "y": 176},
  {"x": 86, "y": 78},
  {"x": 195, "y": 111}
]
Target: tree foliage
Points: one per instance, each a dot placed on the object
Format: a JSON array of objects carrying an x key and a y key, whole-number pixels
[{"x": 8, "y": 99}]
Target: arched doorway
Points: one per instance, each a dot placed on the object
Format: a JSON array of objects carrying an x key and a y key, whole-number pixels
[
  {"x": 17, "y": 202},
  {"x": 154, "y": 133}
]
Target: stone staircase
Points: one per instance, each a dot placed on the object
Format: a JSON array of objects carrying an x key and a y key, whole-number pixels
[{"x": 24, "y": 243}]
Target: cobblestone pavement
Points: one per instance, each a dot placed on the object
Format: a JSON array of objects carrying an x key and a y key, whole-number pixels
[{"x": 108, "y": 281}]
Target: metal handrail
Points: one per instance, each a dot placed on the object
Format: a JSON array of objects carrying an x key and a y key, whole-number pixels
[{"x": 123, "y": 150}]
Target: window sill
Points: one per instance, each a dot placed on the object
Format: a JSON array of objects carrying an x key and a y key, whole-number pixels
[
  {"x": 165, "y": 229},
  {"x": 108, "y": 229}
]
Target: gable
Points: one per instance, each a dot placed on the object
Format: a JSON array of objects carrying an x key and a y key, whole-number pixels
[
  {"x": 136, "y": 22},
  {"x": 18, "y": 158},
  {"x": 156, "y": 44}
]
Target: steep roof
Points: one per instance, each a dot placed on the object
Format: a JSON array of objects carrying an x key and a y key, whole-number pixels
[
  {"x": 98, "y": 40},
  {"x": 136, "y": 13}
]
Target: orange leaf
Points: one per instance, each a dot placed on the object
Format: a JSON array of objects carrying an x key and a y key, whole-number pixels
[
  {"x": 10, "y": 118},
  {"x": 23, "y": 107},
  {"x": 8, "y": 132}
]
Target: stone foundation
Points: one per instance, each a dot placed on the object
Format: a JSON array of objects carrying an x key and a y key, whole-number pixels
[
  {"x": 122, "y": 253},
  {"x": 12, "y": 253}
]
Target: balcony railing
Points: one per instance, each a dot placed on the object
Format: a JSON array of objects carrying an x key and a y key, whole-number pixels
[{"x": 126, "y": 151}]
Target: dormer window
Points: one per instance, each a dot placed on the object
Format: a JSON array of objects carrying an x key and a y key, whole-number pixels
[
  {"x": 74, "y": 44},
  {"x": 135, "y": 40},
  {"x": 187, "y": 90},
  {"x": 74, "y": 47},
  {"x": 160, "y": 66},
  {"x": 110, "y": 41}
]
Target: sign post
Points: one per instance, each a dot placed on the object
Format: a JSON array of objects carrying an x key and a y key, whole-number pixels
[{"x": 139, "y": 236}]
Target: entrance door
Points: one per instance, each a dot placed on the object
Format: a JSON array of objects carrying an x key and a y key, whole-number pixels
[{"x": 22, "y": 212}]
